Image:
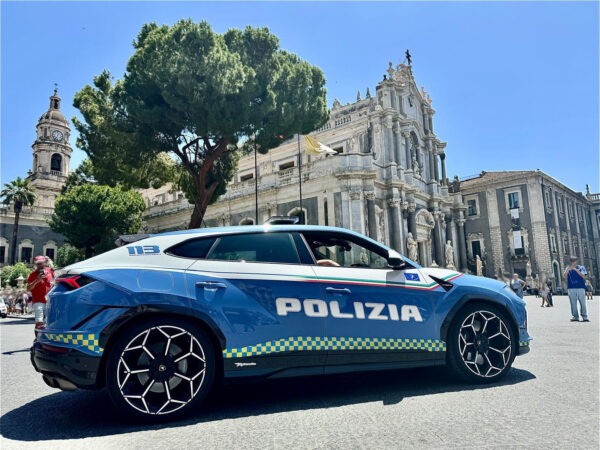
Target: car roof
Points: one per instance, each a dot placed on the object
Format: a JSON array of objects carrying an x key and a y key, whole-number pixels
[{"x": 255, "y": 229}]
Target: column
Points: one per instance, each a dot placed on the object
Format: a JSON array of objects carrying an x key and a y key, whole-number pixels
[
  {"x": 406, "y": 136},
  {"x": 395, "y": 224},
  {"x": 371, "y": 218},
  {"x": 436, "y": 170},
  {"x": 448, "y": 220},
  {"x": 412, "y": 220},
  {"x": 443, "y": 158},
  {"x": 398, "y": 146},
  {"x": 462, "y": 245},
  {"x": 449, "y": 237},
  {"x": 431, "y": 161},
  {"x": 356, "y": 212},
  {"x": 439, "y": 245}
]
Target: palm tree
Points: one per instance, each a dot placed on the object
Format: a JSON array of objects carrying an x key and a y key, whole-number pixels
[{"x": 20, "y": 193}]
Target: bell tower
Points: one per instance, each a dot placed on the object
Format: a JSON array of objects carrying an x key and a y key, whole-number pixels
[{"x": 51, "y": 154}]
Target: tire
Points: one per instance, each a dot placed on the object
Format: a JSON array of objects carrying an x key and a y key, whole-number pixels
[
  {"x": 481, "y": 344},
  {"x": 160, "y": 369},
  {"x": 3, "y": 316}
]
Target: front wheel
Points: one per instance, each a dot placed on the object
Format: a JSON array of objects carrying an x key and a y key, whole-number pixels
[
  {"x": 160, "y": 369},
  {"x": 481, "y": 344}
]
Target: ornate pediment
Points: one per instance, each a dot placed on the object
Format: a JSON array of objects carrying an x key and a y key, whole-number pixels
[{"x": 425, "y": 218}]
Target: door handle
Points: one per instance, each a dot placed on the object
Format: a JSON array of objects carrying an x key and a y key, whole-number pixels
[
  {"x": 211, "y": 285},
  {"x": 331, "y": 290}
]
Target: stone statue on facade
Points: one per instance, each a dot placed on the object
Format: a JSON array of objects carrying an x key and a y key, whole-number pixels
[
  {"x": 364, "y": 258},
  {"x": 379, "y": 213},
  {"x": 411, "y": 247},
  {"x": 479, "y": 266},
  {"x": 408, "y": 57},
  {"x": 529, "y": 277},
  {"x": 449, "y": 255}
]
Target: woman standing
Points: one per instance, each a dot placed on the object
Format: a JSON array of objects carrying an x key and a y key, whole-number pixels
[
  {"x": 517, "y": 285},
  {"x": 545, "y": 292}
]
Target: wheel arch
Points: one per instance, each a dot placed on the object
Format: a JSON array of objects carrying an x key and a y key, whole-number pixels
[
  {"x": 476, "y": 299},
  {"x": 111, "y": 333}
]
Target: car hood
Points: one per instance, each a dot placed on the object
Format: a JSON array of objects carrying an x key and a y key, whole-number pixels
[{"x": 462, "y": 279}]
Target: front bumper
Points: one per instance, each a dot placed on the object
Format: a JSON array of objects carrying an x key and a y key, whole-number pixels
[
  {"x": 66, "y": 370},
  {"x": 523, "y": 347}
]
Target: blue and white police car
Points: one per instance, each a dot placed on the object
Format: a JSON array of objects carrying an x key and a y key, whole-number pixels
[{"x": 159, "y": 321}]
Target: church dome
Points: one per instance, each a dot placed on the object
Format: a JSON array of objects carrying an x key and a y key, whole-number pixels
[{"x": 54, "y": 114}]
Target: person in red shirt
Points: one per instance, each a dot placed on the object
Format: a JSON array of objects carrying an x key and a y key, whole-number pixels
[{"x": 39, "y": 283}]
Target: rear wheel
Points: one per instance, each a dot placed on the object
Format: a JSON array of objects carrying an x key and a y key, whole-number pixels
[
  {"x": 481, "y": 344},
  {"x": 160, "y": 369}
]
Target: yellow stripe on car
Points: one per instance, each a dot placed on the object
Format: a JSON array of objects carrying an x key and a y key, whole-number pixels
[{"x": 295, "y": 344}]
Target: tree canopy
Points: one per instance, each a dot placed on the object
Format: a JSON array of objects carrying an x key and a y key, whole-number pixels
[
  {"x": 91, "y": 216},
  {"x": 11, "y": 273},
  {"x": 67, "y": 255},
  {"x": 200, "y": 97},
  {"x": 20, "y": 193}
]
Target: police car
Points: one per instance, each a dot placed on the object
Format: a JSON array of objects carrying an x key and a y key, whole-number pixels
[{"x": 159, "y": 321}]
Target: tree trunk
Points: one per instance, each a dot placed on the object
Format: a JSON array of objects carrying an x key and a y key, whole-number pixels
[
  {"x": 13, "y": 249},
  {"x": 205, "y": 192},
  {"x": 201, "y": 206}
]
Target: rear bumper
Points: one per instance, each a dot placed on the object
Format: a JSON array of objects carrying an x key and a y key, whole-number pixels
[{"x": 65, "y": 370}]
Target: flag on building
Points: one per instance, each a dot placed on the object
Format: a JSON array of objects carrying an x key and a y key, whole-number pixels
[{"x": 314, "y": 147}]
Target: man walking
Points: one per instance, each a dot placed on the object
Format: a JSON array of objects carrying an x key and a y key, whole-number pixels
[
  {"x": 575, "y": 276},
  {"x": 39, "y": 283}
]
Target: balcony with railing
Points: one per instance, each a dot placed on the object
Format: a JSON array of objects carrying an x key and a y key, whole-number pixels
[
  {"x": 593, "y": 197},
  {"x": 170, "y": 207},
  {"x": 30, "y": 212}
]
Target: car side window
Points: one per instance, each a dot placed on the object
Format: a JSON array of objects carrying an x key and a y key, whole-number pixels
[
  {"x": 194, "y": 248},
  {"x": 256, "y": 247},
  {"x": 330, "y": 249}
]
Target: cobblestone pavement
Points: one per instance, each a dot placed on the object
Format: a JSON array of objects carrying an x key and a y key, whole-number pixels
[{"x": 549, "y": 400}]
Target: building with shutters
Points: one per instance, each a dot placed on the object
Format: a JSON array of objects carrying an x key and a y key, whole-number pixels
[{"x": 529, "y": 223}]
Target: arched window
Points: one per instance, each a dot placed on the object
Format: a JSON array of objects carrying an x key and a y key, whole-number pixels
[
  {"x": 300, "y": 213},
  {"x": 56, "y": 163}
]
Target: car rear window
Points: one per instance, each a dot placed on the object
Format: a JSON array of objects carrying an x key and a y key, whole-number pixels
[
  {"x": 195, "y": 248},
  {"x": 256, "y": 247}
]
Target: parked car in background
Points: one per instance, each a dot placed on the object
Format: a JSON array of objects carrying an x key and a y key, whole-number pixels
[{"x": 3, "y": 308}]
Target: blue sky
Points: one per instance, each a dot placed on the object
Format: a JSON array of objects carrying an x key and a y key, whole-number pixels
[{"x": 515, "y": 85}]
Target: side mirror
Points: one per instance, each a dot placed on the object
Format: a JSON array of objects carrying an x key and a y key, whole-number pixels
[{"x": 395, "y": 261}]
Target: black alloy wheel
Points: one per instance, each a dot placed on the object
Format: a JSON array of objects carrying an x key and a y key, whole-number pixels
[
  {"x": 481, "y": 344},
  {"x": 160, "y": 369}
]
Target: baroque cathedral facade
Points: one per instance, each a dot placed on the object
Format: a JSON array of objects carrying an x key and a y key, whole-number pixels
[
  {"x": 387, "y": 180},
  {"x": 50, "y": 169}
]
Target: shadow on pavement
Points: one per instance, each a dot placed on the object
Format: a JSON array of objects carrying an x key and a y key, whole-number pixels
[
  {"x": 23, "y": 350},
  {"x": 17, "y": 321},
  {"x": 81, "y": 414}
]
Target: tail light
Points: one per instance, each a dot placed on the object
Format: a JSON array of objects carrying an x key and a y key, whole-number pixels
[{"x": 72, "y": 282}]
